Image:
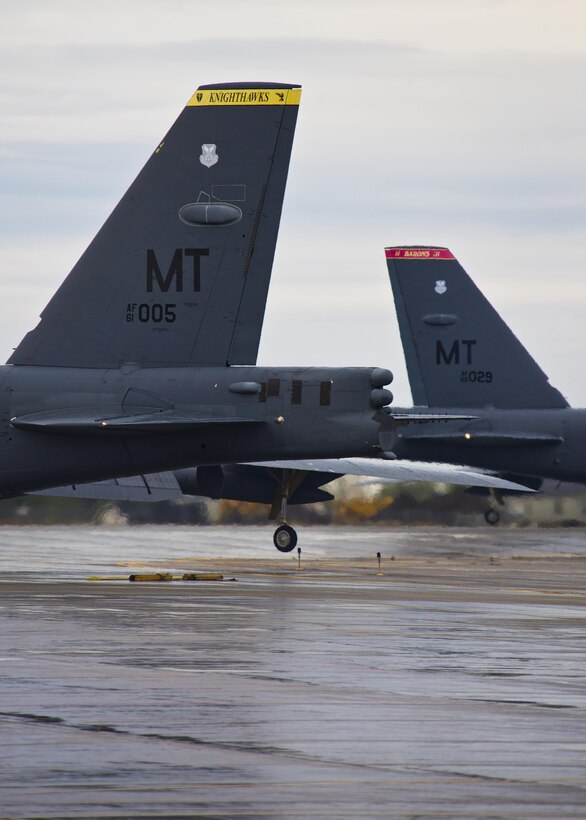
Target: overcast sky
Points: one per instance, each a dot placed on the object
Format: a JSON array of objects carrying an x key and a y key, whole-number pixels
[{"x": 452, "y": 122}]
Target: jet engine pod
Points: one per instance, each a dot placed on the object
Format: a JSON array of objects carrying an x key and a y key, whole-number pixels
[
  {"x": 247, "y": 482},
  {"x": 379, "y": 376},
  {"x": 210, "y": 214},
  {"x": 207, "y": 481},
  {"x": 380, "y": 397}
]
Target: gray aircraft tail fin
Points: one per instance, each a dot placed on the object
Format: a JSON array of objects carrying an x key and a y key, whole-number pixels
[
  {"x": 179, "y": 273},
  {"x": 458, "y": 350}
]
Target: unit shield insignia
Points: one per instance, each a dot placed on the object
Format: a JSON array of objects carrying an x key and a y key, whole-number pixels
[
  {"x": 440, "y": 286},
  {"x": 208, "y": 156}
]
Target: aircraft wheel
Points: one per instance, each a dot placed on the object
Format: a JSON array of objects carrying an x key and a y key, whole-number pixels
[
  {"x": 492, "y": 517},
  {"x": 285, "y": 538}
]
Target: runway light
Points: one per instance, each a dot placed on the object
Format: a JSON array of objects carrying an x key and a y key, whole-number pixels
[{"x": 467, "y": 436}]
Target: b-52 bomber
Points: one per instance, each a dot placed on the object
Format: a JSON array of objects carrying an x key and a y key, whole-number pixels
[
  {"x": 462, "y": 358},
  {"x": 143, "y": 360}
]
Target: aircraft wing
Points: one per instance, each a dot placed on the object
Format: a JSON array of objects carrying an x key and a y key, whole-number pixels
[
  {"x": 164, "y": 486},
  {"x": 393, "y": 472}
]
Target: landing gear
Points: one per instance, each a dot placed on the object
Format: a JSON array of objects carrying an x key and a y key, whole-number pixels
[
  {"x": 492, "y": 517},
  {"x": 285, "y": 538}
]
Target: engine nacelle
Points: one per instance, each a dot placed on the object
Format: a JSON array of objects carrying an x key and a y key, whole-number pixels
[{"x": 243, "y": 482}]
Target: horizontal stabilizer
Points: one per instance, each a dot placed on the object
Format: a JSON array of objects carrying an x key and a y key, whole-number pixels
[
  {"x": 152, "y": 487},
  {"x": 83, "y": 422},
  {"x": 426, "y": 418},
  {"x": 486, "y": 439}
]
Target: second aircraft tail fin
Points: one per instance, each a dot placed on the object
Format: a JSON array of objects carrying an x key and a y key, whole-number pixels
[{"x": 458, "y": 350}]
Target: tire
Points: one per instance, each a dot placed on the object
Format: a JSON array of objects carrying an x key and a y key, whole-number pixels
[
  {"x": 285, "y": 538},
  {"x": 492, "y": 517}
]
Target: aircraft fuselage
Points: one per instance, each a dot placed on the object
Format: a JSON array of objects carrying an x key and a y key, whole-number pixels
[
  {"x": 543, "y": 443},
  {"x": 226, "y": 415}
]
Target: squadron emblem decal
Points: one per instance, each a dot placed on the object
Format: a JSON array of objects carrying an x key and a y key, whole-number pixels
[
  {"x": 440, "y": 286},
  {"x": 208, "y": 156}
]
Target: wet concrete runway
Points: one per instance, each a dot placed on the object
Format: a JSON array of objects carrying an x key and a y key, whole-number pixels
[{"x": 452, "y": 686}]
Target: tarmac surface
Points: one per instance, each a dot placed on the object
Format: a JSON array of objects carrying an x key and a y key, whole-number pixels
[{"x": 452, "y": 685}]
